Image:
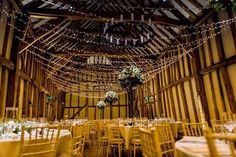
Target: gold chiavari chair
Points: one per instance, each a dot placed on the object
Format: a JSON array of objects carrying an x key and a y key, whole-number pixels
[
  {"x": 218, "y": 126},
  {"x": 114, "y": 138},
  {"x": 78, "y": 140},
  {"x": 194, "y": 129},
  {"x": 214, "y": 150},
  {"x": 135, "y": 141},
  {"x": 86, "y": 130},
  {"x": 93, "y": 130},
  {"x": 165, "y": 140},
  {"x": 40, "y": 142},
  {"x": 148, "y": 142},
  {"x": 102, "y": 138}
]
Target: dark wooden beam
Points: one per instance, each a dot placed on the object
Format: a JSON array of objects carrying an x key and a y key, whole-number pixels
[
  {"x": 182, "y": 80},
  {"x": 7, "y": 63},
  {"x": 226, "y": 62},
  {"x": 110, "y": 54},
  {"x": 101, "y": 16}
]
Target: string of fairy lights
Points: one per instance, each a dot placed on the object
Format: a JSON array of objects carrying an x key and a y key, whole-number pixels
[
  {"x": 196, "y": 42},
  {"x": 72, "y": 85},
  {"x": 216, "y": 25},
  {"x": 167, "y": 63},
  {"x": 139, "y": 7},
  {"x": 133, "y": 8},
  {"x": 174, "y": 50},
  {"x": 176, "y": 58},
  {"x": 209, "y": 27}
]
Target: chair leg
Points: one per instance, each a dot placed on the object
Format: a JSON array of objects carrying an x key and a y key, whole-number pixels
[
  {"x": 134, "y": 150},
  {"x": 108, "y": 147},
  {"x": 98, "y": 150},
  {"x": 119, "y": 150}
]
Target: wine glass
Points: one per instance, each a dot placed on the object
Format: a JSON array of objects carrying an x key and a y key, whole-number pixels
[
  {"x": 229, "y": 125},
  {"x": 1, "y": 130}
]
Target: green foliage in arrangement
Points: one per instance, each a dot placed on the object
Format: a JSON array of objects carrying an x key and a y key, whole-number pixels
[{"x": 223, "y": 4}]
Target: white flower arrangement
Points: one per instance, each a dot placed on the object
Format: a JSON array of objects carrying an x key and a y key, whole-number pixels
[
  {"x": 101, "y": 105},
  {"x": 130, "y": 77},
  {"x": 111, "y": 97}
]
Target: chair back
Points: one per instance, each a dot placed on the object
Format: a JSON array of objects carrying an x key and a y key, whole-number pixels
[
  {"x": 113, "y": 132},
  {"x": 216, "y": 151},
  {"x": 11, "y": 113},
  {"x": 136, "y": 133},
  {"x": 218, "y": 126},
  {"x": 148, "y": 142},
  {"x": 78, "y": 140},
  {"x": 66, "y": 127},
  {"x": 165, "y": 140},
  {"x": 194, "y": 129},
  {"x": 39, "y": 142}
]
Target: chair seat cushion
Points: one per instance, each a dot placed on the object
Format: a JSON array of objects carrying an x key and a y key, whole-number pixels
[
  {"x": 117, "y": 140},
  {"x": 103, "y": 138},
  {"x": 135, "y": 141}
]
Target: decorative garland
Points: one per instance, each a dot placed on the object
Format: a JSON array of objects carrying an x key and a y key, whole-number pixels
[{"x": 223, "y": 4}]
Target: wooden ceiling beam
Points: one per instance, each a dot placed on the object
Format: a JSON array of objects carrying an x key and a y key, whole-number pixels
[
  {"x": 111, "y": 54},
  {"x": 104, "y": 16}
]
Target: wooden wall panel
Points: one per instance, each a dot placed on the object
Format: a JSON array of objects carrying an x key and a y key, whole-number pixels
[
  {"x": 77, "y": 107},
  {"x": 21, "y": 77},
  {"x": 232, "y": 75},
  {"x": 215, "y": 70}
]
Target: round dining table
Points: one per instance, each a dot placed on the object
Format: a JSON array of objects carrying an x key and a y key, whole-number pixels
[
  {"x": 197, "y": 147},
  {"x": 10, "y": 147}
]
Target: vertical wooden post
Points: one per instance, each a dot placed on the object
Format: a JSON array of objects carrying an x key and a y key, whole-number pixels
[
  {"x": 44, "y": 103},
  {"x": 154, "y": 98},
  {"x": 111, "y": 113},
  {"x": 199, "y": 81},
  {"x": 223, "y": 69},
  {"x": 118, "y": 106}
]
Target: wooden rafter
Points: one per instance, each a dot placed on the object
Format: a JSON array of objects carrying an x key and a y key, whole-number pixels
[{"x": 55, "y": 13}]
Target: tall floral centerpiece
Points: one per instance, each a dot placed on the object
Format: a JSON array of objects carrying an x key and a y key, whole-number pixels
[
  {"x": 110, "y": 98},
  {"x": 101, "y": 105},
  {"x": 130, "y": 77}
]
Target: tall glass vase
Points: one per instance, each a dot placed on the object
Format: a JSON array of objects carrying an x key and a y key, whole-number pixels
[{"x": 101, "y": 113}]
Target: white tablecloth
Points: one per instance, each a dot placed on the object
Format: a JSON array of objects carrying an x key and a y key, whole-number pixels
[
  {"x": 197, "y": 147},
  {"x": 11, "y": 147},
  {"x": 127, "y": 133}
]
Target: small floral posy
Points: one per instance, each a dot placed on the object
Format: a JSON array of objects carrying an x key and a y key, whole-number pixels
[
  {"x": 101, "y": 105},
  {"x": 110, "y": 97}
]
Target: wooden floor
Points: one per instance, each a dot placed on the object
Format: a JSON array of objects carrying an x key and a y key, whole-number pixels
[{"x": 91, "y": 151}]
